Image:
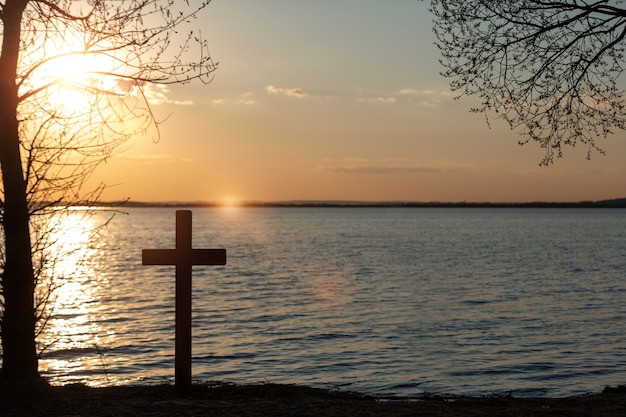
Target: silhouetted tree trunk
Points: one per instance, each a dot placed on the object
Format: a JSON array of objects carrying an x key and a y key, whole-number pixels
[{"x": 18, "y": 323}]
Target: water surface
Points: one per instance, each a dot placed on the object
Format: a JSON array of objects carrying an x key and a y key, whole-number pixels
[{"x": 388, "y": 301}]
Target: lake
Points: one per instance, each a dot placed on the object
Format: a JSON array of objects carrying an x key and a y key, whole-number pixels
[{"x": 385, "y": 301}]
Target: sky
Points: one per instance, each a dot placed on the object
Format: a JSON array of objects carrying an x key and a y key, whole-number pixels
[{"x": 339, "y": 100}]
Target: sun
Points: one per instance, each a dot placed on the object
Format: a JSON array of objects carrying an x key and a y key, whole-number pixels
[
  {"x": 82, "y": 102},
  {"x": 229, "y": 202},
  {"x": 71, "y": 70},
  {"x": 74, "y": 78},
  {"x": 72, "y": 82}
]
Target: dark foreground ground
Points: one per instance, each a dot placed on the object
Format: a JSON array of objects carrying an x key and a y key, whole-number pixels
[{"x": 285, "y": 400}]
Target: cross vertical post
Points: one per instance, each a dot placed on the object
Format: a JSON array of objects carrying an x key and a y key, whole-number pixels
[
  {"x": 183, "y": 257},
  {"x": 183, "y": 302}
]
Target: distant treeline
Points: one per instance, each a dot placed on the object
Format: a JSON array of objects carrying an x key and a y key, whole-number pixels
[{"x": 615, "y": 203}]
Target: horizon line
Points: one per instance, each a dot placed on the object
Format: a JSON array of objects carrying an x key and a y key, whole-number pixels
[{"x": 613, "y": 203}]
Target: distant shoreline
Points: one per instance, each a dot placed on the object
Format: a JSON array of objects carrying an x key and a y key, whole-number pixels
[{"x": 614, "y": 203}]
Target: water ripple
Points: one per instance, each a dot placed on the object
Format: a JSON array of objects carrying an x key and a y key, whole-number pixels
[{"x": 385, "y": 301}]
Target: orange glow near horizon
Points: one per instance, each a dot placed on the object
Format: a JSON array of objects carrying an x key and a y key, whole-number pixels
[{"x": 229, "y": 203}]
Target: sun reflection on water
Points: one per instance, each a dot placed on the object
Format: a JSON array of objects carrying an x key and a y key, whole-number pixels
[{"x": 72, "y": 341}]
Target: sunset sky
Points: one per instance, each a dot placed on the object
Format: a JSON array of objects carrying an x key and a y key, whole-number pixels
[{"x": 339, "y": 100}]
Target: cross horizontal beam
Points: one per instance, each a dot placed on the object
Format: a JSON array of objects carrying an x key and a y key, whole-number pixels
[{"x": 185, "y": 257}]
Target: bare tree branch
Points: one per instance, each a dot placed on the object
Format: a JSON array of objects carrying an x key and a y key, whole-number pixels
[
  {"x": 75, "y": 78},
  {"x": 548, "y": 68}
]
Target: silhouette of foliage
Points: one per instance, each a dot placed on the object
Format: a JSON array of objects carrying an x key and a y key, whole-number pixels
[
  {"x": 78, "y": 79},
  {"x": 549, "y": 68}
]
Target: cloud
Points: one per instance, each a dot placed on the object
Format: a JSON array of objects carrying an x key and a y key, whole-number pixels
[
  {"x": 246, "y": 98},
  {"x": 380, "y": 99},
  {"x": 432, "y": 98},
  {"x": 157, "y": 94},
  {"x": 412, "y": 91},
  {"x": 435, "y": 102},
  {"x": 290, "y": 92},
  {"x": 360, "y": 166},
  {"x": 382, "y": 169},
  {"x": 154, "y": 158},
  {"x": 424, "y": 98}
]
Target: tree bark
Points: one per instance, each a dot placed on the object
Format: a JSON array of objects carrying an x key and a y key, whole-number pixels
[{"x": 19, "y": 362}]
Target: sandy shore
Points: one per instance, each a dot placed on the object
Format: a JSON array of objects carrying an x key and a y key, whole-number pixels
[{"x": 285, "y": 400}]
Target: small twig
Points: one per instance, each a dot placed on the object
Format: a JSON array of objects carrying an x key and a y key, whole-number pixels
[{"x": 102, "y": 362}]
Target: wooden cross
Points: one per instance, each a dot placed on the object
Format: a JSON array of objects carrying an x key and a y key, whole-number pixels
[{"x": 183, "y": 257}]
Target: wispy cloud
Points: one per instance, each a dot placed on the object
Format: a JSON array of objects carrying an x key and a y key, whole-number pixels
[
  {"x": 246, "y": 98},
  {"x": 290, "y": 92},
  {"x": 380, "y": 99},
  {"x": 361, "y": 166},
  {"x": 153, "y": 158},
  {"x": 412, "y": 91},
  {"x": 157, "y": 94},
  {"x": 433, "y": 102},
  {"x": 424, "y": 98}
]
